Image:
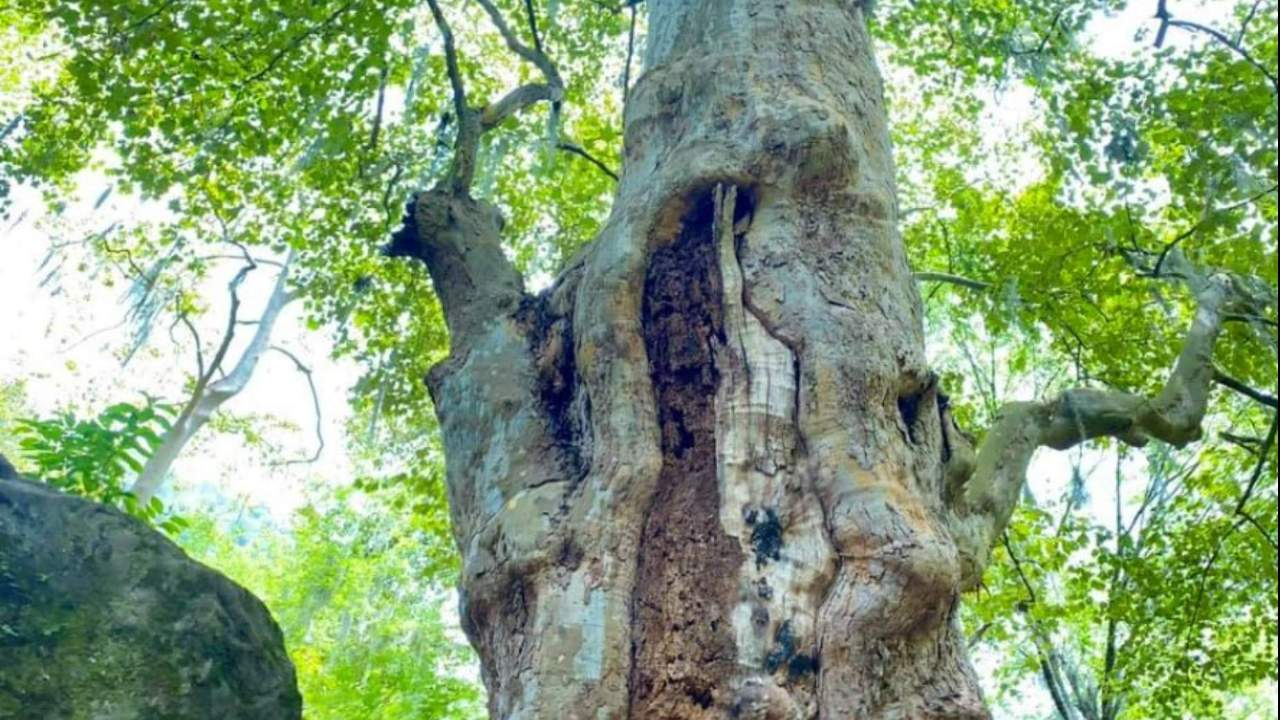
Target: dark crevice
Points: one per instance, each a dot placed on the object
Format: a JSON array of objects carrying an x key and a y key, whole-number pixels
[
  {"x": 683, "y": 650},
  {"x": 405, "y": 241},
  {"x": 910, "y": 404},
  {"x": 551, "y": 344},
  {"x": 909, "y": 408},
  {"x": 944, "y": 404}
]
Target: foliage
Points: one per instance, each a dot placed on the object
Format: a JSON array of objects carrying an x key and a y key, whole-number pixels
[
  {"x": 96, "y": 457},
  {"x": 359, "y": 598}
]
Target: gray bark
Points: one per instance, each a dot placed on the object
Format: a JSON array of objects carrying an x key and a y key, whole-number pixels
[{"x": 708, "y": 473}]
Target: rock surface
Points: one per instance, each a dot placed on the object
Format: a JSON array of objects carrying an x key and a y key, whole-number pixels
[{"x": 103, "y": 618}]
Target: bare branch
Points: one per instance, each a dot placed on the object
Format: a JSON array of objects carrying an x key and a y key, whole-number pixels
[
  {"x": 1244, "y": 24},
  {"x": 451, "y": 60},
  {"x": 952, "y": 279},
  {"x": 1245, "y": 442},
  {"x": 467, "y": 142},
  {"x": 208, "y": 395},
  {"x": 581, "y": 152},
  {"x": 533, "y": 24},
  {"x": 1167, "y": 21},
  {"x": 258, "y": 261},
  {"x": 315, "y": 404},
  {"x": 535, "y": 56},
  {"x": 1227, "y": 381}
]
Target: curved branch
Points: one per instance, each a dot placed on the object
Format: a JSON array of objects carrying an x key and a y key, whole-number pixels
[
  {"x": 1167, "y": 21},
  {"x": 315, "y": 405},
  {"x": 581, "y": 152},
  {"x": 983, "y": 490},
  {"x": 513, "y": 102},
  {"x": 208, "y": 395},
  {"x": 535, "y": 56}
]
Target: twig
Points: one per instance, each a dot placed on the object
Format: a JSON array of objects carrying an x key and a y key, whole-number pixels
[
  {"x": 1209, "y": 212},
  {"x": 1244, "y": 24},
  {"x": 952, "y": 279},
  {"x": 1239, "y": 511},
  {"x": 1167, "y": 21},
  {"x": 533, "y": 24},
  {"x": 581, "y": 152},
  {"x": 259, "y": 261},
  {"x": 1226, "y": 380},
  {"x": 315, "y": 404},
  {"x": 185, "y": 320},
  {"x": 293, "y": 45}
]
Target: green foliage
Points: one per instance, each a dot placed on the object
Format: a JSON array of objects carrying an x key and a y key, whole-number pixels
[
  {"x": 359, "y": 596},
  {"x": 96, "y": 457}
]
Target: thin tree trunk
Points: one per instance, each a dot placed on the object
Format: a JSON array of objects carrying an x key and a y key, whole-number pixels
[
  {"x": 708, "y": 473},
  {"x": 209, "y": 394}
]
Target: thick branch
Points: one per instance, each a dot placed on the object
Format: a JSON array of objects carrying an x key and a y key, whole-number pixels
[
  {"x": 513, "y": 102},
  {"x": 983, "y": 502},
  {"x": 458, "y": 239},
  {"x": 467, "y": 143},
  {"x": 450, "y": 59}
]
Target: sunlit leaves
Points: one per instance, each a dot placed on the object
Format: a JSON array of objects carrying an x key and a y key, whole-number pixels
[{"x": 97, "y": 457}]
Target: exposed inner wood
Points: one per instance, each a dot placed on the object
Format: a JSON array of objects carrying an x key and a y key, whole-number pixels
[{"x": 683, "y": 643}]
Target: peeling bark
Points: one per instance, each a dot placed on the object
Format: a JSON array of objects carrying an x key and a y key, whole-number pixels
[{"x": 708, "y": 473}]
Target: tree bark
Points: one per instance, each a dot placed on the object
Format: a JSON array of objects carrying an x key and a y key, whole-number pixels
[{"x": 708, "y": 473}]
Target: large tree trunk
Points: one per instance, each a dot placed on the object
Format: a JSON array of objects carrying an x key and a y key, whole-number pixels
[{"x": 704, "y": 475}]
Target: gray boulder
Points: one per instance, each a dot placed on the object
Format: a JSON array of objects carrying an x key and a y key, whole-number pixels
[{"x": 104, "y": 618}]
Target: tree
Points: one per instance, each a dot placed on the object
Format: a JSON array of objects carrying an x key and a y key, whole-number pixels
[{"x": 708, "y": 470}]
